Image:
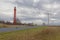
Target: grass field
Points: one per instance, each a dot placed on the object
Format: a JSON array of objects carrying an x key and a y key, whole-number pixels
[{"x": 40, "y": 33}]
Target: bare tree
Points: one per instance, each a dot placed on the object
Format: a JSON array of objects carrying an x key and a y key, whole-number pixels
[{"x": 18, "y": 21}]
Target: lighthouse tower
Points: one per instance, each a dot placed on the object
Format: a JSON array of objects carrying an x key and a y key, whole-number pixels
[{"x": 14, "y": 20}]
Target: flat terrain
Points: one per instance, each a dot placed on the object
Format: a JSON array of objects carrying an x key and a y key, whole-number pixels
[
  {"x": 40, "y": 33},
  {"x": 13, "y": 26}
]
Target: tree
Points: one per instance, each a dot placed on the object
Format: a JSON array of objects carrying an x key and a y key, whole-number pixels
[
  {"x": 2, "y": 22},
  {"x": 18, "y": 21},
  {"x": 44, "y": 24}
]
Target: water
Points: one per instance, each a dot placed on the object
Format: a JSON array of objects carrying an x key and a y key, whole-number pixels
[{"x": 14, "y": 29}]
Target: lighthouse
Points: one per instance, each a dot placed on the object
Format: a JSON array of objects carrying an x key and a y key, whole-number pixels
[{"x": 14, "y": 19}]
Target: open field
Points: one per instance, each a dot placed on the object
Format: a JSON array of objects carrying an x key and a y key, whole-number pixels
[
  {"x": 12, "y": 26},
  {"x": 40, "y": 33},
  {"x": 3, "y": 25}
]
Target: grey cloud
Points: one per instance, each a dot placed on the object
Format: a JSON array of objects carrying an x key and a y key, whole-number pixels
[{"x": 32, "y": 15}]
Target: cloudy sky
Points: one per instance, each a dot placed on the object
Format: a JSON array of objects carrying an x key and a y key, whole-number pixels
[{"x": 29, "y": 11}]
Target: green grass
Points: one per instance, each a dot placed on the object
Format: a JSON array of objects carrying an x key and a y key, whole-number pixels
[
  {"x": 40, "y": 33},
  {"x": 21, "y": 35}
]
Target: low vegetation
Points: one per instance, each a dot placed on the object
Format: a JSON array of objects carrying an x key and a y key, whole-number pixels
[
  {"x": 40, "y": 33},
  {"x": 3, "y": 25}
]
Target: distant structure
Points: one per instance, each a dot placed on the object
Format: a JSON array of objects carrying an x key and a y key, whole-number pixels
[
  {"x": 14, "y": 21},
  {"x": 48, "y": 19}
]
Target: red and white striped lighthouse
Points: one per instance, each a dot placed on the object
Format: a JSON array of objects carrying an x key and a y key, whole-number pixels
[{"x": 14, "y": 21}]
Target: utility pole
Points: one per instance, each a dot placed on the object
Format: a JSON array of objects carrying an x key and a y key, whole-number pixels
[{"x": 48, "y": 19}]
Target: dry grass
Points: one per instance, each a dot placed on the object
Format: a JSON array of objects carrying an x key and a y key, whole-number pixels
[
  {"x": 50, "y": 33},
  {"x": 3, "y": 25}
]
